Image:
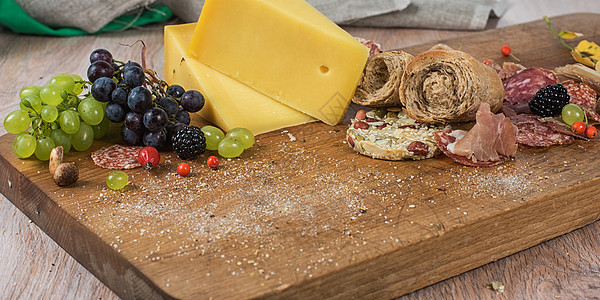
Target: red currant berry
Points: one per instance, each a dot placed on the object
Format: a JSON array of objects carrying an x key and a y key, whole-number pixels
[
  {"x": 212, "y": 162},
  {"x": 148, "y": 157},
  {"x": 183, "y": 169},
  {"x": 578, "y": 127},
  {"x": 486, "y": 62},
  {"x": 591, "y": 132},
  {"x": 505, "y": 50}
]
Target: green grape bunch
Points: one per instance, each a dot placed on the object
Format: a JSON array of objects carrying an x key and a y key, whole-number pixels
[
  {"x": 51, "y": 115},
  {"x": 71, "y": 112}
]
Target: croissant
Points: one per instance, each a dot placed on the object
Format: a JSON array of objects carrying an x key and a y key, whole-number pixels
[
  {"x": 378, "y": 86},
  {"x": 446, "y": 86}
]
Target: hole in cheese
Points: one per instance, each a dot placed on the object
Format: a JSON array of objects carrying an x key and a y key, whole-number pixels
[{"x": 324, "y": 69}]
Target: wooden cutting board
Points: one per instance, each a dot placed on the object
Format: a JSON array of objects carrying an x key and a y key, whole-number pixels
[{"x": 301, "y": 215}]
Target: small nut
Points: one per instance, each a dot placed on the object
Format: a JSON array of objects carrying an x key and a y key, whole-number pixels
[
  {"x": 66, "y": 173},
  {"x": 56, "y": 158}
]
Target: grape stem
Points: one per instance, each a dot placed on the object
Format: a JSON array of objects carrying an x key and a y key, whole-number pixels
[{"x": 556, "y": 35}]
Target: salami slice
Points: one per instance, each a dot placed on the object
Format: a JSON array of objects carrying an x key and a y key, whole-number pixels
[
  {"x": 508, "y": 69},
  {"x": 560, "y": 127},
  {"x": 117, "y": 157},
  {"x": 584, "y": 96},
  {"x": 521, "y": 87},
  {"x": 374, "y": 48},
  {"x": 534, "y": 133},
  {"x": 443, "y": 139}
]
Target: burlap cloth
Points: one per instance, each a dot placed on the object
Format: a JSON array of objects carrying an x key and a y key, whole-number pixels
[{"x": 91, "y": 15}]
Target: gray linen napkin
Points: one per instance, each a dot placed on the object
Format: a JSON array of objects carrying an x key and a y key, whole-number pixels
[
  {"x": 438, "y": 14},
  {"x": 91, "y": 15}
]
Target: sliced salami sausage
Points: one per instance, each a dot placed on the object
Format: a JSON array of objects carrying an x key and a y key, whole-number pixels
[
  {"x": 117, "y": 157},
  {"x": 560, "y": 127},
  {"x": 534, "y": 133},
  {"x": 374, "y": 48},
  {"x": 521, "y": 87},
  {"x": 584, "y": 96},
  {"x": 508, "y": 69}
]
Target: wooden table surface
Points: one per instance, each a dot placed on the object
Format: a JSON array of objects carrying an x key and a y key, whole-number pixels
[{"x": 34, "y": 266}]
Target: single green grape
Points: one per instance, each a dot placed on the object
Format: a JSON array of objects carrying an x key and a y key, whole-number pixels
[
  {"x": 66, "y": 81},
  {"x": 101, "y": 129},
  {"x": 49, "y": 113},
  {"x": 117, "y": 180},
  {"x": 17, "y": 121},
  {"x": 31, "y": 102},
  {"x": 83, "y": 138},
  {"x": 52, "y": 94},
  {"x": 24, "y": 145},
  {"x": 230, "y": 147},
  {"x": 91, "y": 111},
  {"x": 572, "y": 113},
  {"x": 32, "y": 90},
  {"x": 43, "y": 148},
  {"x": 61, "y": 138},
  {"x": 213, "y": 136},
  {"x": 79, "y": 85},
  {"x": 69, "y": 121},
  {"x": 244, "y": 135}
]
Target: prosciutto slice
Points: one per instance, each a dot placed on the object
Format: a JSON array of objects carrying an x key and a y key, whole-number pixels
[{"x": 492, "y": 140}]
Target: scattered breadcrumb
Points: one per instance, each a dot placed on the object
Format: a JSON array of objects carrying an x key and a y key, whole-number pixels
[{"x": 496, "y": 286}]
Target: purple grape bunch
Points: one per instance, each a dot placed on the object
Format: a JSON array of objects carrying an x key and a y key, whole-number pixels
[{"x": 151, "y": 112}]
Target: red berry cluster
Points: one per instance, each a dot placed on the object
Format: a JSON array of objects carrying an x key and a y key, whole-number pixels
[{"x": 581, "y": 128}]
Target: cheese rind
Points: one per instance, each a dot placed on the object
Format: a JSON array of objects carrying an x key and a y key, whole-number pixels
[
  {"x": 284, "y": 49},
  {"x": 229, "y": 103}
]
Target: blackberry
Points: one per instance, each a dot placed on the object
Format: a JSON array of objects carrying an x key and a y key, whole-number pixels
[
  {"x": 189, "y": 142},
  {"x": 549, "y": 101}
]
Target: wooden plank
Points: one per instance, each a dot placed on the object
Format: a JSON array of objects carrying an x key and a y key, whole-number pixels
[{"x": 300, "y": 214}]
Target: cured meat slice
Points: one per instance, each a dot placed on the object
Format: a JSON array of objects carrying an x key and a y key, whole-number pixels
[
  {"x": 117, "y": 157},
  {"x": 443, "y": 139},
  {"x": 508, "y": 69},
  {"x": 534, "y": 133},
  {"x": 521, "y": 87},
  {"x": 584, "y": 96},
  {"x": 374, "y": 48},
  {"x": 491, "y": 140},
  {"x": 557, "y": 125},
  {"x": 515, "y": 109},
  {"x": 493, "y": 135},
  {"x": 581, "y": 73}
]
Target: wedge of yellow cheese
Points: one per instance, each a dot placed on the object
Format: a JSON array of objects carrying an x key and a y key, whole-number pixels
[
  {"x": 229, "y": 103},
  {"x": 285, "y": 49}
]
